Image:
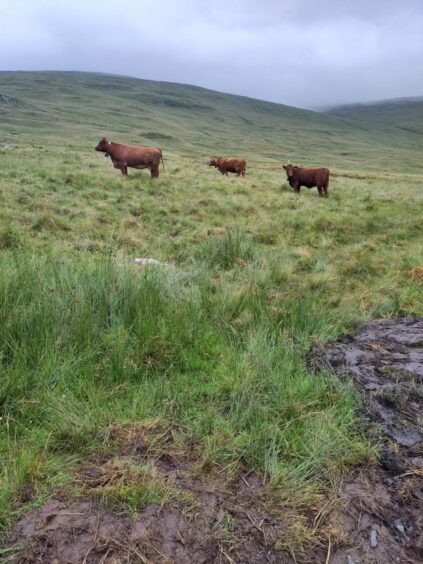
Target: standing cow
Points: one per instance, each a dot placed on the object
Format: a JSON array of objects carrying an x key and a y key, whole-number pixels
[
  {"x": 123, "y": 156},
  {"x": 309, "y": 177},
  {"x": 228, "y": 164}
]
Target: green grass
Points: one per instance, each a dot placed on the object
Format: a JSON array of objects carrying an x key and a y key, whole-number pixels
[
  {"x": 88, "y": 344},
  {"x": 213, "y": 343}
]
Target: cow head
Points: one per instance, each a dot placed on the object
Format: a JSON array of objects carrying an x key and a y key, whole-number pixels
[
  {"x": 212, "y": 162},
  {"x": 290, "y": 169},
  {"x": 103, "y": 145}
]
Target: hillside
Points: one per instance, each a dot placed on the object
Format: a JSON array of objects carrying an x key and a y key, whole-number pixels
[
  {"x": 403, "y": 114},
  {"x": 190, "y": 120}
]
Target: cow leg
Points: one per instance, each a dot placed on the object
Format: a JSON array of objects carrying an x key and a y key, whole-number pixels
[
  {"x": 320, "y": 190},
  {"x": 121, "y": 166},
  {"x": 154, "y": 171},
  {"x": 296, "y": 189},
  {"x": 325, "y": 190}
]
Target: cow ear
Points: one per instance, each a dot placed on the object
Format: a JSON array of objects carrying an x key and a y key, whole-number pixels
[
  {"x": 285, "y": 167},
  {"x": 295, "y": 166}
]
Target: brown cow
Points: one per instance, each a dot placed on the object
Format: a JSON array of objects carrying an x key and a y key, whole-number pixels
[
  {"x": 130, "y": 155},
  {"x": 226, "y": 165},
  {"x": 309, "y": 177}
]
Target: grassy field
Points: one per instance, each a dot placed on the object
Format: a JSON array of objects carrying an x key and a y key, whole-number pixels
[{"x": 214, "y": 342}]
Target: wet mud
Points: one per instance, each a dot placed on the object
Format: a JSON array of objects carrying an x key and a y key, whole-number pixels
[
  {"x": 227, "y": 517},
  {"x": 383, "y": 515}
]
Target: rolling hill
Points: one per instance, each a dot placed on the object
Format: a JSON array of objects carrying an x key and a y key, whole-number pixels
[
  {"x": 81, "y": 107},
  {"x": 403, "y": 114}
]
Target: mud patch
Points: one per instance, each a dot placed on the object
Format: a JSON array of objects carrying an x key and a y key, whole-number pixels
[
  {"x": 383, "y": 516},
  {"x": 223, "y": 515}
]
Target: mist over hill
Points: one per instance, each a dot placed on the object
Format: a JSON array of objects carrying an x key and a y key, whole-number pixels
[{"x": 404, "y": 114}]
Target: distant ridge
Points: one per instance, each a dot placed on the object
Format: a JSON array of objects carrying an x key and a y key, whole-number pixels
[{"x": 402, "y": 113}]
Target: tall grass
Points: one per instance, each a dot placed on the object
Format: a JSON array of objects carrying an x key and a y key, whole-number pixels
[
  {"x": 90, "y": 342},
  {"x": 227, "y": 251}
]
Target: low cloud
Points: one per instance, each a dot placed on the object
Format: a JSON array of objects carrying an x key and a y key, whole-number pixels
[{"x": 297, "y": 52}]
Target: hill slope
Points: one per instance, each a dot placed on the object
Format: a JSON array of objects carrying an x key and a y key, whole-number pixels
[
  {"x": 403, "y": 114},
  {"x": 81, "y": 107}
]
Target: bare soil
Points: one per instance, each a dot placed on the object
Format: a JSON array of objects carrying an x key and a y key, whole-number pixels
[
  {"x": 228, "y": 519},
  {"x": 383, "y": 515}
]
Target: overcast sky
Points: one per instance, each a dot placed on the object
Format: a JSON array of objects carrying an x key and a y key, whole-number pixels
[{"x": 306, "y": 53}]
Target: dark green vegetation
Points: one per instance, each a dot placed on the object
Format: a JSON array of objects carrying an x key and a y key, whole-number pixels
[{"x": 214, "y": 343}]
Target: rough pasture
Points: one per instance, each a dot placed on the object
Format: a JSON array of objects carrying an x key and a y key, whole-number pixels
[{"x": 209, "y": 353}]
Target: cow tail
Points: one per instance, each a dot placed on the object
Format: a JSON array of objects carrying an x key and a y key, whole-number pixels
[{"x": 161, "y": 158}]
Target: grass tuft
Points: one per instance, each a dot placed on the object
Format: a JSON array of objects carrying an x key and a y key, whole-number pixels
[
  {"x": 226, "y": 251},
  {"x": 11, "y": 239}
]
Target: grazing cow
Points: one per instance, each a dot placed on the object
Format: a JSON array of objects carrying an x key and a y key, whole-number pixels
[
  {"x": 130, "y": 155},
  {"x": 226, "y": 165},
  {"x": 309, "y": 177}
]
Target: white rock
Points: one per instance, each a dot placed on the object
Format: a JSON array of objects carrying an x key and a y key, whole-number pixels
[
  {"x": 147, "y": 261},
  {"x": 399, "y": 526},
  {"x": 373, "y": 538}
]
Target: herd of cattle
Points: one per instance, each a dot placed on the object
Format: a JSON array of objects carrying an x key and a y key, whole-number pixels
[{"x": 124, "y": 156}]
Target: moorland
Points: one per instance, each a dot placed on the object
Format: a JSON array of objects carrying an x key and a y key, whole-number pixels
[{"x": 210, "y": 347}]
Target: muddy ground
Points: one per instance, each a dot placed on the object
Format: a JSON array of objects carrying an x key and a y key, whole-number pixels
[
  {"x": 383, "y": 514},
  {"x": 222, "y": 515},
  {"x": 228, "y": 514}
]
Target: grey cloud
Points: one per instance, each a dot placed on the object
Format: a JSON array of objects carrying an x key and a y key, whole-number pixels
[{"x": 298, "y": 52}]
